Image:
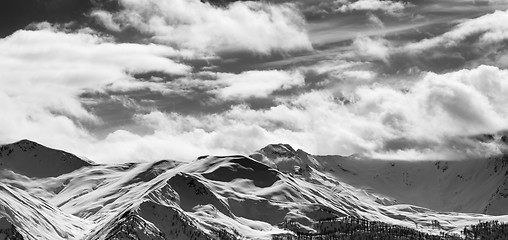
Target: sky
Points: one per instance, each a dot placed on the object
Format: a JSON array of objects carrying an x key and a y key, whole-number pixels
[{"x": 144, "y": 80}]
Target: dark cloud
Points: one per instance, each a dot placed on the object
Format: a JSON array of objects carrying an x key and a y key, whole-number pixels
[
  {"x": 221, "y": 3},
  {"x": 314, "y": 78},
  {"x": 238, "y": 62}
]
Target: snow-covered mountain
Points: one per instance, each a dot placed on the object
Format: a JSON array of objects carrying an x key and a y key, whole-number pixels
[
  {"x": 34, "y": 160},
  {"x": 239, "y": 197},
  {"x": 474, "y": 186}
]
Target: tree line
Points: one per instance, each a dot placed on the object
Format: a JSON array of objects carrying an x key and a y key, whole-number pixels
[{"x": 352, "y": 228}]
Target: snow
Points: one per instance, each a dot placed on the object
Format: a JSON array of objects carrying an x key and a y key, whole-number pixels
[{"x": 219, "y": 197}]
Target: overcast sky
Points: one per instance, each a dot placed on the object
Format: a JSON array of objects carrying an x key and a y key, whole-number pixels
[{"x": 144, "y": 80}]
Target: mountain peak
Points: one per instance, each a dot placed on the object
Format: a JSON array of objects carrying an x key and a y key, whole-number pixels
[
  {"x": 285, "y": 158},
  {"x": 278, "y": 150},
  {"x": 35, "y": 160},
  {"x": 26, "y": 144},
  {"x": 26, "y": 141}
]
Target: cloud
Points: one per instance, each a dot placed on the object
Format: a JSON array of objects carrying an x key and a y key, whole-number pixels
[
  {"x": 255, "y": 27},
  {"x": 376, "y": 49},
  {"x": 430, "y": 117},
  {"x": 375, "y": 20},
  {"x": 106, "y": 19},
  {"x": 442, "y": 110},
  {"x": 45, "y": 71},
  {"x": 432, "y": 120},
  {"x": 362, "y": 75},
  {"x": 55, "y": 84},
  {"x": 78, "y": 61},
  {"x": 390, "y": 7},
  {"x": 256, "y": 84},
  {"x": 464, "y": 44},
  {"x": 484, "y": 30}
]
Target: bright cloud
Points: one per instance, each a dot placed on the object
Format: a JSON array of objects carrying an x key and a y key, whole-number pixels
[
  {"x": 45, "y": 71},
  {"x": 377, "y": 49},
  {"x": 433, "y": 119},
  {"x": 256, "y": 84},
  {"x": 338, "y": 101},
  {"x": 242, "y": 26},
  {"x": 431, "y": 114},
  {"x": 387, "y": 6},
  {"x": 488, "y": 29}
]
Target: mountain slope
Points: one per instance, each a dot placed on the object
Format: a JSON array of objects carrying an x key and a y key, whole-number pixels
[{"x": 231, "y": 197}]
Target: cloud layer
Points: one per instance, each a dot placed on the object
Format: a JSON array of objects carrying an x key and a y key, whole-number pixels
[
  {"x": 45, "y": 71},
  {"x": 432, "y": 119},
  {"x": 154, "y": 86}
]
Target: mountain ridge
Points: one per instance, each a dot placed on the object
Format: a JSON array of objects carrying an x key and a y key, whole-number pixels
[
  {"x": 226, "y": 197},
  {"x": 386, "y": 176}
]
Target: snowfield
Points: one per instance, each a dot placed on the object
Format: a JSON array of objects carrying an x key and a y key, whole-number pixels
[{"x": 50, "y": 194}]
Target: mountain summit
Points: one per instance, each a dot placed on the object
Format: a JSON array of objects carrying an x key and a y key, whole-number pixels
[{"x": 34, "y": 160}]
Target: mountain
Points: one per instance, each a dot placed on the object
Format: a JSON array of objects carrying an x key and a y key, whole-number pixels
[
  {"x": 474, "y": 185},
  {"x": 277, "y": 191},
  {"x": 34, "y": 160}
]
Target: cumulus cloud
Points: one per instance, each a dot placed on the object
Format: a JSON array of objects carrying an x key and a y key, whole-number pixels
[
  {"x": 391, "y": 7},
  {"x": 340, "y": 105},
  {"x": 441, "y": 109},
  {"x": 432, "y": 120},
  {"x": 45, "y": 71},
  {"x": 255, "y": 27},
  {"x": 376, "y": 49}
]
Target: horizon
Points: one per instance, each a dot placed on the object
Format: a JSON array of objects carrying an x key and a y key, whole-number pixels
[{"x": 252, "y": 155}]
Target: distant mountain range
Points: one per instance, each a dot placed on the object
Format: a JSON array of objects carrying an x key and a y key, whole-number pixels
[{"x": 50, "y": 194}]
